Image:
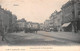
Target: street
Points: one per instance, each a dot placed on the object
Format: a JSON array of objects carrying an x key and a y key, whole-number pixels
[
  {"x": 32, "y": 16},
  {"x": 42, "y": 38}
]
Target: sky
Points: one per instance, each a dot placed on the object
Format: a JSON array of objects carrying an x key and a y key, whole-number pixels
[{"x": 33, "y": 10}]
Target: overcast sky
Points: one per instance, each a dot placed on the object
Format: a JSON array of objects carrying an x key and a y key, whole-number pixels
[{"x": 33, "y": 10}]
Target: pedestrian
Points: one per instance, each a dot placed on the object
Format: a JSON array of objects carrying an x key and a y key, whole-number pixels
[
  {"x": 36, "y": 30},
  {"x": 2, "y": 33}
]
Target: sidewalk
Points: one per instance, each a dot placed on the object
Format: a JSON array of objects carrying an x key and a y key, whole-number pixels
[
  {"x": 2, "y": 43},
  {"x": 63, "y": 35}
]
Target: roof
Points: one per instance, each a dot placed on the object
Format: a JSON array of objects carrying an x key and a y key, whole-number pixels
[
  {"x": 22, "y": 20},
  {"x": 67, "y": 4}
]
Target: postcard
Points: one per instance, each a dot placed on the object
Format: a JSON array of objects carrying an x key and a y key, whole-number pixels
[{"x": 39, "y": 25}]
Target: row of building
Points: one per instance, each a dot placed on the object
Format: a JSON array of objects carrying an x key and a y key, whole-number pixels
[
  {"x": 7, "y": 20},
  {"x": 68, "y": 19},
  {"x": 23, "y": 24}
]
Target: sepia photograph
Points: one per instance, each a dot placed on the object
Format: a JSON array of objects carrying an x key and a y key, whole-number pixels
[{"x": 39, "y": 22}]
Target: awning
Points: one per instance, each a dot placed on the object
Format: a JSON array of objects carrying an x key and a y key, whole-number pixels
[{"x": 66, "y": 24}]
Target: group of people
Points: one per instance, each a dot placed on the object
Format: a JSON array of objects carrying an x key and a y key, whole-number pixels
[{"x": 30, "y": 30}]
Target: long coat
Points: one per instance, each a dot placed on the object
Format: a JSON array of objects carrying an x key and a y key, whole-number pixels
[{"x": 1, "y": 31}]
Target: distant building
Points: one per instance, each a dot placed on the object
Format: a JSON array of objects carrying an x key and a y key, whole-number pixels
[
  {"x": 14, "y": 22},
  {"x": 58, "y": 21},
  {"x": 35, "y": 25},
  {"x": 47, "y": 25},
  {"x": 41, "y": 26},
  {"x": 21, "y": 23},
  {"x": 32, "y": 25},
  {"x": 14, "y": 19},
  {"x": 53, "y": 21},
  {"x": 28, "y": 25}
]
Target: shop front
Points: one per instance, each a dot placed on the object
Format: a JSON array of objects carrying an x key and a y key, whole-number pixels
[{"x": 67, "y": 27}]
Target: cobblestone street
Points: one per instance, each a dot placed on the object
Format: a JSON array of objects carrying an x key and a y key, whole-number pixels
[{"x": 43, "y": 38}]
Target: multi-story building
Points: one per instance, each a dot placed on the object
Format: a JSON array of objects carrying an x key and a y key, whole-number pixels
[
  {"x": 41, "y": 26},
  {"x": 58, "y": 21},
  {"x": 1, "y": 20},
  {"x": 47, "y": 25},
  {"x": 6, "y": 18},
  {"x": 21, "y": 23},
  {"x": 28, "y": 25},
  {"x": 35, "y": 26},
  {"x": 32, "y": 25},
  {"x": 14, "y": 22},
  {"x": 14, "y": 19},
  {"x": 77, "y": 14},
  {"x": 53, "y": 23},
  {"x": 70, "y": 17}
]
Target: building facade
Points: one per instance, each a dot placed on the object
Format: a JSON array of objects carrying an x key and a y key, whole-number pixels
[
  {"x": 47, "y": 25},
  {"x": 6, "y": 19},
  {"x": 21, "y": 23},
  {"x": 32, "y": 25},
  {"x": 14, "y": 23},
  {"x": 41, "y": 26},
  {"x": 53, "y": 21},
  {"x": 70, "y": 15},
  {"x": 58, "y": 21}
]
